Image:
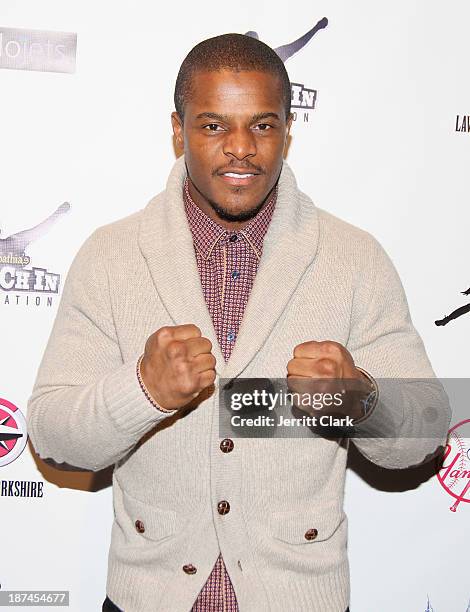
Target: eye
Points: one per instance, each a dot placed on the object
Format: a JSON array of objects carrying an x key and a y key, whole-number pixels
[
  {"x": 263, "y": 127},
  {"x": 212, "y": 127}
]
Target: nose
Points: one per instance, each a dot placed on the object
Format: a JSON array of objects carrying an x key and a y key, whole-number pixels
[{"x": 240, "y": 143}]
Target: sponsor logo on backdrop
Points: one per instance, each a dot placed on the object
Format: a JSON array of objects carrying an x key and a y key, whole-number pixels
[
  {"x": 13, "y": 434},
  {"x": 21, "y": 488},
  {"x": 303, "y": 98},
  {"x": 39, "y": 50},
  {"x": 454, "y": 474},
  {"x": 455, "y": 314},
  {"x": 462, "y": 123},
  {"x": 33, "y": 286}
]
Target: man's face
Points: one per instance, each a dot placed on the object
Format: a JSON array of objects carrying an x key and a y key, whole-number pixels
[{"x": 234, "y": 135}]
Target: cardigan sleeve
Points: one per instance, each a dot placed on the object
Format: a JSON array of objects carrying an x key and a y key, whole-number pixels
[
  {"x": 411, "y": 420},
  {"x": 87, "y": 408}
]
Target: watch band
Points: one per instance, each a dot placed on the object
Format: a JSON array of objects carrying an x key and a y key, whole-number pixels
[{"x": 370, "y": 402}]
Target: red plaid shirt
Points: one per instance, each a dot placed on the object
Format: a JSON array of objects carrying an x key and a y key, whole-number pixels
[{"x": 227, "y": 262}]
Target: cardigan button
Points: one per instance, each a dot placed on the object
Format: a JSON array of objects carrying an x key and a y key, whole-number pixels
[
  {"x": 226, "y": 446},
  {"x": 311, "y": 534},
  {"x": 223, "y": 507},
  {"x": 189, "y": 569},
  {"x": 140, "y": 527}
]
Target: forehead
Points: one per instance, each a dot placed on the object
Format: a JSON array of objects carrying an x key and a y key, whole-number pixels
[{"x": 230, "y": 91}]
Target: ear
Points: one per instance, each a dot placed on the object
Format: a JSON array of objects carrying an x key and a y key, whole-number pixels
[
  {"x": 177, "y": 124},
  {"x": 289, "y": 123},
  {"x": 287, "y": 138}
]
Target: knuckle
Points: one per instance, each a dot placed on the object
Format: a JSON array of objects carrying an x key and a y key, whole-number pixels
[
  {"x": 187, "y": 384},
  {"x": 164, "y": 333},
  {"x": 194, "y": 329},
  {"x": 329, "y": 346},
  {"x": 290, "y": 365},
  {"x": 327, "y": 366},
  {"x": 305, "y": 347},
  {"x": 175, "y": 349},
  {"x": 207, "y": 378},
  {"x": 180, "y": 368}
]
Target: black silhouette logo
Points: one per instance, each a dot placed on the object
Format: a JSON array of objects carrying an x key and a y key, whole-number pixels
[
  {"x": 301, "y": 96},
  {"x": 456, "y": 313}
]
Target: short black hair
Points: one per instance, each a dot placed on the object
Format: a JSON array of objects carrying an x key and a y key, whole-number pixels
[{"x": 230, "y": 52}]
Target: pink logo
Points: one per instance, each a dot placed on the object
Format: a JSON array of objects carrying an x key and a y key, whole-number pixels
[
  {"x": 454, "y": 475},
  {"x": 13, "y": 434}
]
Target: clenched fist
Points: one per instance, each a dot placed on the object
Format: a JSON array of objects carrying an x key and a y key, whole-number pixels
[
  {"x": 177, "y": 365},
  {"x": 326, "y": 360}
]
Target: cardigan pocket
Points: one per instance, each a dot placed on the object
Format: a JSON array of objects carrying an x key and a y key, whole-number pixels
[
  {"x": 147, "y": 520},
  {"x": 305, "y": 526}
]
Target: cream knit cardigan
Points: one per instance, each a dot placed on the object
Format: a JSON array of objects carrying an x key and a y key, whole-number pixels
[{"x": 319, "y": 278}]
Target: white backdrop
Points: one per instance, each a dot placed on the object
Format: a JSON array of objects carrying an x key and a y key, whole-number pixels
[{"x": 380, "y": 150}]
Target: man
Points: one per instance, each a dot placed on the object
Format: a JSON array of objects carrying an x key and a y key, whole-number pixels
[{"x": 232, "y": 256}]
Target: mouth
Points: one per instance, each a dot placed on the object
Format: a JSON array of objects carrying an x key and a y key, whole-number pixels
[{"x": 238, "y": 178}]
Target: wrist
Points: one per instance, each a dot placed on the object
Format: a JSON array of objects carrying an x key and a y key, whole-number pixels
[{"x": 145, "y": 390}]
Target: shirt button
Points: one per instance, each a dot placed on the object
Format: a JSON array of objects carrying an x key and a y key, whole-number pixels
[
  {"x": 311, "y": 534},
  {"x": 235, "y": 274},
  {"x": 223, "y": 507},
  {"x": 231, "y": 336},
  {"x": 140, "y": 527},
  {"x": 233, "y": 238},
  {"x": 189, "y": 569},
  {"x": 226, "y": 446}
]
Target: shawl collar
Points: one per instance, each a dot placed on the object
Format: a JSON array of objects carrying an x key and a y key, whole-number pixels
[{"x": 289, "y": 247}]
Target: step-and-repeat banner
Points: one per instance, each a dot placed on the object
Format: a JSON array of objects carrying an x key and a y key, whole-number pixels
[{"x": 381, "y": 138}]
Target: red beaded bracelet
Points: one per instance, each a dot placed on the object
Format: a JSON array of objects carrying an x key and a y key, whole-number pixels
[{"x": 145, "y": 391}]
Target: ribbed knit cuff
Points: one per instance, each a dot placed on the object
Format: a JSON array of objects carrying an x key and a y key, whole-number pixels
[
  {"x": 127, "y": 405},
  {"x": 387, "y": 418}
]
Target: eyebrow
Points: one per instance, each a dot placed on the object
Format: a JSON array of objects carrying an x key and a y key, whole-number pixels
[{"x": 254, "y": 118}]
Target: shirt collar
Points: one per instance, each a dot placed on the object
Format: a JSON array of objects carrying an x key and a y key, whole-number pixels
[{"x": 207, "y": 233}]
